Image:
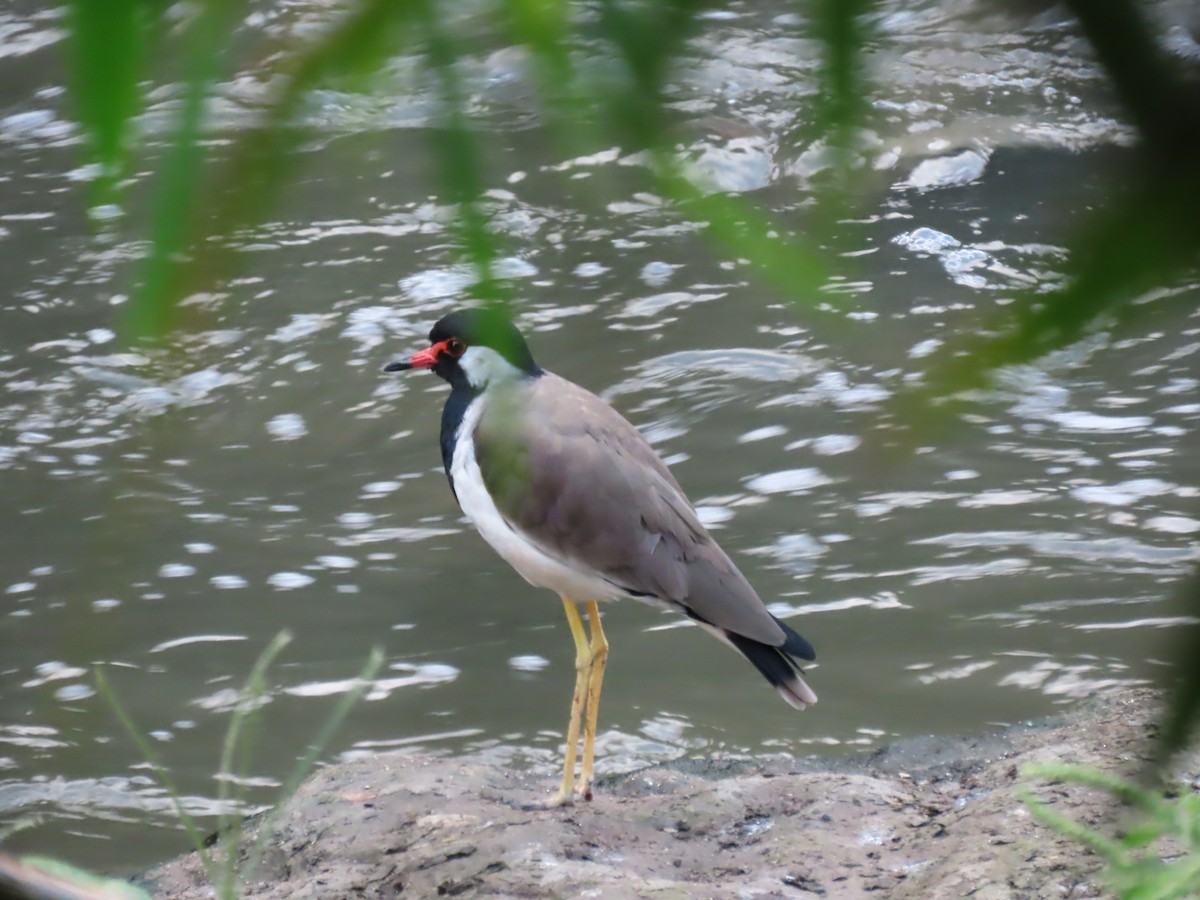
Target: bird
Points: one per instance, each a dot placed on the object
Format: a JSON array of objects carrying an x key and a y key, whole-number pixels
[{"x": 573, "y": 497}]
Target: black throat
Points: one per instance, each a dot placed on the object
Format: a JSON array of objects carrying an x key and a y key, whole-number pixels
[{"x": 460, "y": 398}]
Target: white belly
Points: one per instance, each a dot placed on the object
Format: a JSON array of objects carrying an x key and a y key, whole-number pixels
[{"x": 531, "y": 562}]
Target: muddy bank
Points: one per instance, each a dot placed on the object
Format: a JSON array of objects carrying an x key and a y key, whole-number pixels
[{"x": 926, "y": 818}]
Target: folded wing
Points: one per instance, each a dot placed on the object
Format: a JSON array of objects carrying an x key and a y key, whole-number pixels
[{"x": 575, "y": 477}]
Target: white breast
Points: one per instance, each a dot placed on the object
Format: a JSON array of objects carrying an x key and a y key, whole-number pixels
[{"x": 531, "y": 562}]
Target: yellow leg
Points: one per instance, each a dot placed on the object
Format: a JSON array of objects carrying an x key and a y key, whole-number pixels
[
  {"x": 598, "y": 654},
  {"x": 566, "y": 792}
]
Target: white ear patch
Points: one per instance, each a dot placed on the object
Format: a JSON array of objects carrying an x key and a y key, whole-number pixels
[{"x": 484, "y": 366}]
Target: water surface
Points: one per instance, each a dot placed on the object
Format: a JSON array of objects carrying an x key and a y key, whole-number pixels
[{"x": 166, "y": 514}]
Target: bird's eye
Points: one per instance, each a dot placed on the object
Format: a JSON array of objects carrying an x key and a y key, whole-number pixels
[{"x": 455, "y": 347}]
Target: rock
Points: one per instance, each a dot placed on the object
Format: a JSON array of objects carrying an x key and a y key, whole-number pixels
[{"x": 927, "y": 818}]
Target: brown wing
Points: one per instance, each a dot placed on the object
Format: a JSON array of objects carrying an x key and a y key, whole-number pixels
[{"x": 573, "y": 475}]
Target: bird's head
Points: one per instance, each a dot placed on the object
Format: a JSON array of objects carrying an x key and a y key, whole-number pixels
[{"x": 473, "y": 348}]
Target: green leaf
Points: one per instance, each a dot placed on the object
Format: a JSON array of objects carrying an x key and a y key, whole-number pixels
[
  {"x": 1183, "y": 711},
  {"x": 151, "y": 309},
  {"x": 106, "y": 58},
  {"x": 1142, "y": 835},
  {"x": 1111, "y": 850},
  {"x": 1122, "y": 788},
  {"x": 197, "y": 211},
  {"x": 844, "y": 95}
]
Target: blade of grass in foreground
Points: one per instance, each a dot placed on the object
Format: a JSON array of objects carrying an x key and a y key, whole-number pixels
[
  {"x": 161, "y": 772},
  {"x": 305, "y": 763},
  {"x": 236, "y": 745},
  {"x": 224, "y": 872},
  {"x": 107, "y": 48}
]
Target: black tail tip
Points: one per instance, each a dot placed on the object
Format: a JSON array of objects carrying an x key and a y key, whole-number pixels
[{"x": 794, "y": 644}]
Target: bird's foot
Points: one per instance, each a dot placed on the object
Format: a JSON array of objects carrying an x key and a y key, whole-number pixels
[
  {"x": 561, "y": 800},
  {"x": 533, "y": 805},
  {"x": 558, "y": 801}
]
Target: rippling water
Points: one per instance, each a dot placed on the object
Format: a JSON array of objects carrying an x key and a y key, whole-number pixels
[{"x": 165, "y": 514}]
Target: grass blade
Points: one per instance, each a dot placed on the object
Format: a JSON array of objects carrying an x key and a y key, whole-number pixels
[
  {"x": 161, "y": 773},
  {"x": 238, "y": 744},
  {"x": 315, "y": 748}
]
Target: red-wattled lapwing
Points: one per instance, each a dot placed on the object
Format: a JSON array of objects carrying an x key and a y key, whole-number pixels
[{"x": 574, "y": 499}]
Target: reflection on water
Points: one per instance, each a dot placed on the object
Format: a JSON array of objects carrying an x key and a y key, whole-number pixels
[{"x": 166, "y": 512}]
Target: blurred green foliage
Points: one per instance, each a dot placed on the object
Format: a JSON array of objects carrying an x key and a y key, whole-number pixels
[
  {"x": 108, "y": 63},
  {"x": 230, "y": 865},
  {"x": 1146, "y": 236},
  {"x": 1155, "y": 857}
]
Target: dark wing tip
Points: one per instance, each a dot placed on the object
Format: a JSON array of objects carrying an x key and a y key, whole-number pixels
[
  {"x": 794, "y": 644},
  {"x": 775, "y": 665}
]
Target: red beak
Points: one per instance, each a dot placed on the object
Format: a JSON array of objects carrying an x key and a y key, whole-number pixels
[{"x": 422, "y": 360}]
